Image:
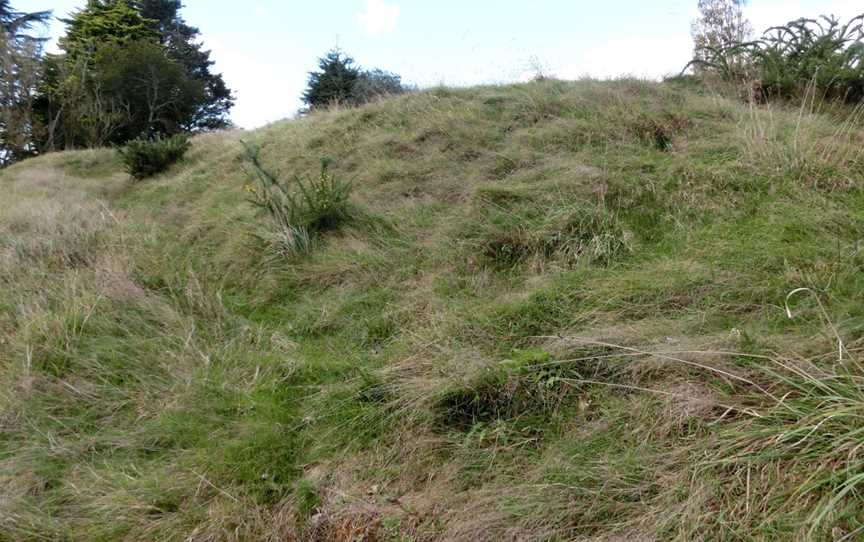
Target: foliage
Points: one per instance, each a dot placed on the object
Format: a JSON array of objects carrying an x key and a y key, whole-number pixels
[
  {"x": 825, "y": 55},
  {"x": 154, "y": 91},
  {"x": 128, "y": 69},
  {"x": 721, "y": 25},
  {"x": 19, "y": 77},
  {"x": 73, "y": 112},
  {"x": 145, "y": 157},
  {"x": 372, "y": 84},
  {"x": 340, "y": 81},
  {"x": 120, "y": 92},
  {"x": 302, "y": 209},
  {"x": 104, "y": 22},
  {"x": 16, "y": 24},
  {"x": 334, "y": 82},
  {"x": 183, "y": 46}
]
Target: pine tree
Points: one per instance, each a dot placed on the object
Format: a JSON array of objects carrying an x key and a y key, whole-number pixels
[
  {"x": 103, "y": 22},
  {"x": 339, "y": 81},
  {"x": 334, "y": 82}
]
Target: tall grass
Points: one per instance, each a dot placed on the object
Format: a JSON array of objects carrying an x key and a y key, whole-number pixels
[
  {"x": 824, "y": 151},
  {"x": 572, "y": 333},
  {"x": 814, "y": 436}
]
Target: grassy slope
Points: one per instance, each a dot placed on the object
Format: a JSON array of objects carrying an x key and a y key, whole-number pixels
[{"x": 574, "y": 329}]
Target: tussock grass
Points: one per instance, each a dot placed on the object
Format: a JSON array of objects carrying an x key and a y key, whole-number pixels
[
  {"x": 811, "y": 148},
  {"x": 557, "y": 314}
]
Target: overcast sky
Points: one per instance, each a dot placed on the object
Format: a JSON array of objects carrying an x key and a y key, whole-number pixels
[{"x": 265, "y": 48}]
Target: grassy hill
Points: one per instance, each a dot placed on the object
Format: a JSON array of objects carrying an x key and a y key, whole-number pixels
[{"x": 564, "y": 316}]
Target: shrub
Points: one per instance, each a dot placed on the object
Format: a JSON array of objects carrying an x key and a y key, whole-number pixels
[
  {"x": 301, "y": 209},
  {"x": 373, "y": 84},
  {"x": 143, "y": 157},
  {"x": 824, "y": 54},
  {"x": 827, "y": 54}
]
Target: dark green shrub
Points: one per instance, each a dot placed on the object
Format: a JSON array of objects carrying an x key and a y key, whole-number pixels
[
  {"x": 301, "y": 209},
  {"x": 144, "y": 157},
  {"x": 373, "y": 84},
  {"x": 825, "y": 55}
]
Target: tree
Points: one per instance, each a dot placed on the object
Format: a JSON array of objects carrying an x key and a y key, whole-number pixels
[
  {"x": 72, "y": 104},
  {"x": 180, "y": 39},
  {"x": 103, "y": 22},
  {"x": 720, "y": 28},
  {"x": 16, "y": 24},
  {"x": 339, "y": 80},
  {"x": 129, "y": 68},
  {"x": 19, "y": 77},
  {"x": 152, "y": 90},
  {"x": 334, "y": 82}
]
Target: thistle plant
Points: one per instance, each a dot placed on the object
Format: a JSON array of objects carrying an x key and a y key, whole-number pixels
[{"x": 301, "y": 209}]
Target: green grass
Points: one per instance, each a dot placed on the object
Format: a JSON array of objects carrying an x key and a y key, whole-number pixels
[{"x": 558, "y": 312}]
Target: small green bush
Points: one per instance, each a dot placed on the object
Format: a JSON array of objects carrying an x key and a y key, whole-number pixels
[
  {"x": 144, "y": 157},
  {"x": 301, "y": 209}
]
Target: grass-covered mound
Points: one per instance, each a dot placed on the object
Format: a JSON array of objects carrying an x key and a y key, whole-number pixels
[{"x": 559, "y": 311}]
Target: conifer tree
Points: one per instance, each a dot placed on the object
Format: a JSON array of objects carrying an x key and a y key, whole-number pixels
[
  {"x": 340, "y": 80},
  {"x": 334, "y": 82}
]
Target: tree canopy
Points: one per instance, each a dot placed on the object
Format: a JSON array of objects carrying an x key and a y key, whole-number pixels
[
  {"x": 129, "y": 68},
  {"x": 181, "y": 41},
  {"x": 105, "y": 22}
]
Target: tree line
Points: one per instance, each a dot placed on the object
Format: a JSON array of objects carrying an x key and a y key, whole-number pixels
[
  {"x": 132, "y": 70},
  {"x": 126, "y": 69}
]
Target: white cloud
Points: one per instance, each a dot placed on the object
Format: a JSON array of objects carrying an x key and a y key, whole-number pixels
[
  {"x": 767, "y": 13},
  {"x": 647, "y": 58},
  {"x": 378, "y": 17},
  {"x": 265, "y": 92},
  {"x": 654, "y": 57}
]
